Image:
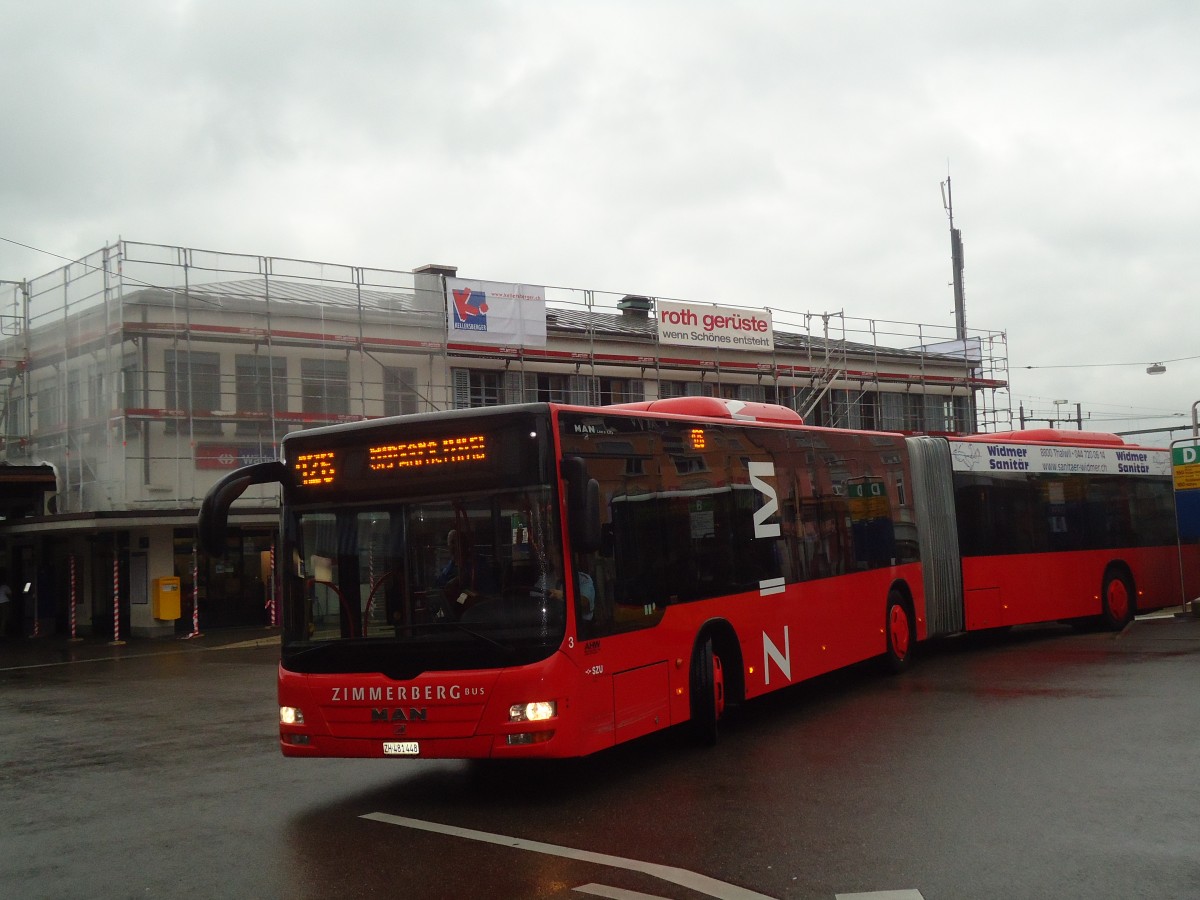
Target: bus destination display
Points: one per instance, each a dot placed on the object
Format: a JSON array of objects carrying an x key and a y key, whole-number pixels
[
  {"x": 357, "y": 467},
  {"x": 316, "y": 469},
  {"x": 446, "y": 451}
]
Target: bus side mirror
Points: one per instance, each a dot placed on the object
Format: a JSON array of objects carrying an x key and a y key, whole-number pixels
[
  {"x": 214, "y": 511},
  {"x": 583, "y": 506}
]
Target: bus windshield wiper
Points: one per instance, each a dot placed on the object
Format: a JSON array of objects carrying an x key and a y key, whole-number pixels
[
  {"x": 481, "y": 637},
  {"x": 293, "y": 651}
]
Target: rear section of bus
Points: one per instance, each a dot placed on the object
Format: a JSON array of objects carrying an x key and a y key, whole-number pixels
[{"x": 1062, "y": 525}]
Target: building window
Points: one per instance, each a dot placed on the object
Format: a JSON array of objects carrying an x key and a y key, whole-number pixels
[
  {"x": 747, "y": 393},
  {"x": 942, "y": 413},
  {"x": 914, "y": 412},
  {"x": 786, "y": 395},
  {"x": 520, "y": 387},
  {"x": 193, "y": 383},
  {"x": 97, "y": 402},
  {"x": 325, "y": 386},
  {"x": 132, "y": 395},
  {"x": 844, "y": 409},
  {"x": 483, "y": 387},
  {"x": 49, "y": 404},
  {"x": 621, "y": 390},
  {"x": 261, "y": 388},
  {"x": 863, "y": 410},
  {"x": 553, "y": 388},
  {"x": 950, "y": 414},
  {"x": 868, "y": 410},
  {"x": 685, "y": 389},
  {"x": 75, "y": 410},
  {"x": 478, "y": 387},
  {"x": 964, "y": 421},
  {"x": 399, "y": 390},
  {"x": 939, "y": 413},
  {"x": 14, "y": 419},
  {"x": 891, "y": 411}
]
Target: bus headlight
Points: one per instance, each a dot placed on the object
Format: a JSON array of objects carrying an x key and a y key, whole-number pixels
[
  {"x": 533, "y": 712},
  {"x": 290, "y": 715}
]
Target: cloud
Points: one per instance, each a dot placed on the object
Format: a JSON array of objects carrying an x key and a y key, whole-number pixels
[{"x": 769, "y": 154}]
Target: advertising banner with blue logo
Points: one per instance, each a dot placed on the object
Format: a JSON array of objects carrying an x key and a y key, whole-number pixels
[{"x": 502, "y": 315}]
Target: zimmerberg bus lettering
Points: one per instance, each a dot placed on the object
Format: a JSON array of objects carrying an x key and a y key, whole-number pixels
[{"x": 402, "y": 693}]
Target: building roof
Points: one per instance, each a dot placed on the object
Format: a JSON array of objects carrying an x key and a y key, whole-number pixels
[{"x": 566, "y": 321}]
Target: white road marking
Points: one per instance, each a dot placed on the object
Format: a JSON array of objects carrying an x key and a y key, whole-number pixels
[
  {"x": 93, "y": 659},
  {"x": 881, "y": 895},
  {"x": 249, "y": 645},
  {"x": 682, "y": 877},
  {"x": 612, "y": 893}
]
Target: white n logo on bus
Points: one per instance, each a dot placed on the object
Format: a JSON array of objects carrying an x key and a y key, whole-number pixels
[
  {"x": 771, "y": 653},
  {"x": 763, "y": 528}
]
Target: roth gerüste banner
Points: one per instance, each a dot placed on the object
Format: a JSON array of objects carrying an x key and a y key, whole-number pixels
[
  {"x": 487, "y": 312},
  {"x": 705, "y": 325}
]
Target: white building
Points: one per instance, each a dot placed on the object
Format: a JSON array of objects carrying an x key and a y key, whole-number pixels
[{"x": 142, "y": 372}]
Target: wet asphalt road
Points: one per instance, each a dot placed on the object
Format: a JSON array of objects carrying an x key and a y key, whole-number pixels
[{"x": 1041, "y": 763}]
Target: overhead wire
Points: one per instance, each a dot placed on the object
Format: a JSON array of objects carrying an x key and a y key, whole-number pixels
[
  {"x": 1110, "y": 365},
  {"x": 94, "y": 268}
]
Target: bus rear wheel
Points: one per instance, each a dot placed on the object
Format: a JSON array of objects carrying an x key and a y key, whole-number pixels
[
  {"x": 707, "y": 692},
  {"x": 1116, "y": 600},
  {"x": 898, "y": 627}
]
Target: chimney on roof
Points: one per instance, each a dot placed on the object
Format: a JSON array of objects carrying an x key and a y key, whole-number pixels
[
  {"x": 635, "y": 306},
  {"x": 429, "y": 286},
  {"x": 435, "y": 269}
]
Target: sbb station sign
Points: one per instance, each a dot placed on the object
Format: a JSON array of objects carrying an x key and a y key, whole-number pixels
[{"x": 705, "y": 325}]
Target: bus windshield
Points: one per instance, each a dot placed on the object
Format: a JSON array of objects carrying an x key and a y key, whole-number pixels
[{"x": 404, "y": 587}]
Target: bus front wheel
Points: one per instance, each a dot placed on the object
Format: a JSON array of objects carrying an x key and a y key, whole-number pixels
[
  {"x": 1116, "y": 601},
  {"x": 707, "y": 692},
  {"x": 898, "y": 627}
]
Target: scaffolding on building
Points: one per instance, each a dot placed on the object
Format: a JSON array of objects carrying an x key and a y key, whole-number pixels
[{"x": 138, "y": 369}]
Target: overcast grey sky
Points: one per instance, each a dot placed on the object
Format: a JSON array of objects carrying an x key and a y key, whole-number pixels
[{"x": 784, "y": 154}]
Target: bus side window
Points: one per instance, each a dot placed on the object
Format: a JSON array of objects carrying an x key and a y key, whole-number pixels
[{"x": 585, "y": 595}]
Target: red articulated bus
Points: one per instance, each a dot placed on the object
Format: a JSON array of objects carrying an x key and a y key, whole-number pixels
[{"x": 550, "y": 580}]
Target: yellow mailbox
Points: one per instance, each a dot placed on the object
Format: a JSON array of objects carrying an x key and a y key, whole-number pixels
[{"x": 165, "y": 600}]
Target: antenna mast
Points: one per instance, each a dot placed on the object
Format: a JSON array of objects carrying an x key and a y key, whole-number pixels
[{"x": 956, "y": 261}]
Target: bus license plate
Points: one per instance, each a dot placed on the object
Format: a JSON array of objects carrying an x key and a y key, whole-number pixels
[{"x": 401, "y": 748}]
